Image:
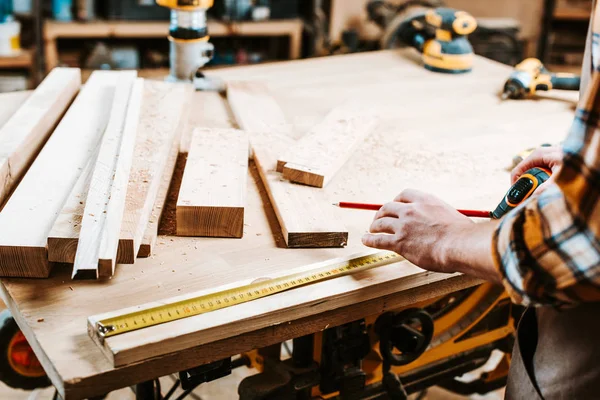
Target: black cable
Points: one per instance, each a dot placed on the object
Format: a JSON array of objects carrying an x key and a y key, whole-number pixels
[
  {"x": 286, "y": 346},
  {"x": 172, "y": 390}
]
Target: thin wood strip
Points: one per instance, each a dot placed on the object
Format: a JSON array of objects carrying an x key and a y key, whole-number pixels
[
  {"x": 105, "y": 177},
  {"x": 299, "y": 210},
  {"x": 116, "y": 203},
  {"x": 151, "y": 232},
  {"x": 166, "y": 106}
]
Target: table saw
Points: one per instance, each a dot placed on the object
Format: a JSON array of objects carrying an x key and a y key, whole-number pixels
[{"x": 445, "y": 134}]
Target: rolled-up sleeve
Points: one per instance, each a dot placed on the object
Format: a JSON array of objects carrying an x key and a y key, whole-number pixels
[{"x": 548, "y": 249}]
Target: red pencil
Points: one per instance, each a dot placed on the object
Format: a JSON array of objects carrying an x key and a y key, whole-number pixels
[{"x": 376, "y": 207}]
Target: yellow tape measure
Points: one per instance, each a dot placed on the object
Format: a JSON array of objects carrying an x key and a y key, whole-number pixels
[{"x": 215, "y": 301}]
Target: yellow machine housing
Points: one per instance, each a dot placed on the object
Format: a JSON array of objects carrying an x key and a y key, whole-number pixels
[{"x": 466, "y": 327}]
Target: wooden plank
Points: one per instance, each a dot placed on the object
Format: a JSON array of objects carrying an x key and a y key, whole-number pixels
[
  {"x": 166, "y": 106},
  {"x": 24, "y": 134},
  {"x": 212, "y": 197},
  {"x": 11, "y": 103},
  {"x": 42, "y": 192},
  {"x": 317, "y": 156},
  {"x": 161, "y": 110},
  {"x": 101, "y": 222},
  {"x": 160, "y": 340},
  {"x": 151, "y": 232},
  {"x": 299, "y": 210},
  {"x": 64, "y": 236}
]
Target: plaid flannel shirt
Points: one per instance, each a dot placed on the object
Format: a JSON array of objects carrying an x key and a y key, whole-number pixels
[{"x": 548, "y": 249}]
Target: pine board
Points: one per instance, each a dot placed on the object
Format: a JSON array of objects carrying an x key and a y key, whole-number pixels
[
  {"x": 97, "y": 232},
  {"x": 163, "y": 117},
  {"x": 316, "y": 157},
  {"x": 212, "y": 196},
  {"x": 300, "y": 210},
  {"x": 42, "y": 192},
  {"x": 24, "y": 134}
]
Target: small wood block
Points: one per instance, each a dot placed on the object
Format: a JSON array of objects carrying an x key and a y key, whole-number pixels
[
  {"x": 24, "y": 134},
  {"x": 213, "y": 190},
  {"x": 299, "y": 209},
  {"x": 101, "y": 223},
  {"x": 317, "y": 156},
  {"x": 28, "y": 216}
]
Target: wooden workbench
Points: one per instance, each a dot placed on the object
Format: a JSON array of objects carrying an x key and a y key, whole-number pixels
[{"x": 446, "y": 134}]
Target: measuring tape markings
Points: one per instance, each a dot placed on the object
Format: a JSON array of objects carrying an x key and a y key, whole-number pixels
[{"x": 105, "y": 327}]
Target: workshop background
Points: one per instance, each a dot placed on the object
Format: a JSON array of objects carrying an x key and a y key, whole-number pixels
[{"x": 38, "y": 35}]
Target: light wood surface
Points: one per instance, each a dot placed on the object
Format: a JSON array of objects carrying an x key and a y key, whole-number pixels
[
  {"x": 54, "y": 30},
  {"x": 101, "y": 222},
  {"x": 151, "y": 232},
  {"x": 163, "y": 117},
  {"x": 64, "y": 236},
  {"x": 317, "y": 156},
  {"x": 212, "y": 196},
  {"x": 24, "y": 134},
  {"x": 62, "y": 241},
  {"x": 28, "y": 216},
  {"x": 12, "y": 100},
  {"x": 449, "y": 135},
  {"x": 301, "y": 211}
]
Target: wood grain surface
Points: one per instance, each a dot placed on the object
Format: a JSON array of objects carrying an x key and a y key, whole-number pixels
[
  {"x": 301, "y": 211},
  {"x": 24, "y": 134},
  {"x": 212, "y": 196},
  {"x": 28, "y": 216}
]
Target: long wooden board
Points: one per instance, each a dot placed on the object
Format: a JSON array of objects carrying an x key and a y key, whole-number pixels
[
  {"x": 24, "y": 134},
  {"x": 212, "y": 196},
  {"x": 100, "y": 225},
  {"x": 12, "y": 102},
  {"x": 299, "y": 209},
  {"x": 317, "y": 156},
  {"x": 160, "y": 340},
  {"x": 28, "y": 216},
  {"x": 64, "y": 236},
  {"x": 164, "y": 114},
  {"x": 151, "y": 138},
  {"x": 151, "y": 232}
]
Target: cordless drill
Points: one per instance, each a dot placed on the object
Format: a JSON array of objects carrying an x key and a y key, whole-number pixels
[
  {"x": 521, "y": 190},
  {"x": 531, "y": 76}
]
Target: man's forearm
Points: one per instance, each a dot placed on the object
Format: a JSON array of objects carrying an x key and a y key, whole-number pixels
[{"x": 470, "y": 252}]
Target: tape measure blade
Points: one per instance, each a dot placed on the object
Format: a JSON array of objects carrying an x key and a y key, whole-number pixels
[{"x": 128, "y": 320}]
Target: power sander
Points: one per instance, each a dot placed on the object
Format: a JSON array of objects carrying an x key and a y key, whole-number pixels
[
  {"x": 190, "y": 49},
  {"x": 440, "y": 34}
]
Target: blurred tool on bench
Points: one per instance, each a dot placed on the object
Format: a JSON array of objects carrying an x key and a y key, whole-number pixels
[
  {"x": 530, "y": 76},
  {"x": 190, "y": 48},
  {"x": 439, "y": 33}
]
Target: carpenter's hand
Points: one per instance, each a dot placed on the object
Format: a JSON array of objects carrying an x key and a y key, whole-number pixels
[
  {"x": 421, "y": 228},
  {"x": 545, "y": 157}
]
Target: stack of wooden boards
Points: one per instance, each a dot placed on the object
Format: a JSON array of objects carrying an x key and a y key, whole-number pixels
[
  {"x": 88, "y": 196},
  {"x": 84, "y": 174}
]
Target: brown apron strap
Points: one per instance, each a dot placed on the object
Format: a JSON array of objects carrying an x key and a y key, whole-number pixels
[{"x": 521, "y": 380}]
